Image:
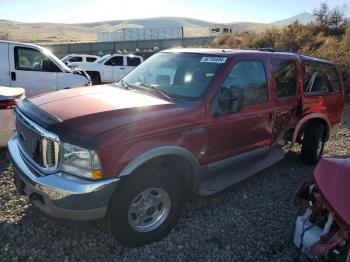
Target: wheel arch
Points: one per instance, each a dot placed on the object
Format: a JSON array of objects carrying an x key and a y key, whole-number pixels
[
  {"x": 309, "y": 119},
  {"x": 180, "y": 160}
]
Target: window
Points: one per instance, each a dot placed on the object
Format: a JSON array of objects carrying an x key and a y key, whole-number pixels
[
  {"x": 250, "y": 78},
  {"x": 286, "y": 77},
  {"x": 76, "y": 59},
  {"x": 28, "y": 59},
  {"x": 90, "y": 59},
  {"x": 133, "y": 61},
  {"x": 215, "y": 30},
  {"x": 115, "y": 61},
  {"x": 320, "y": 79}
]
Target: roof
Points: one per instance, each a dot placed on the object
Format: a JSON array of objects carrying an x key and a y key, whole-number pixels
[
  {"x": 232, "y": 52},
  {"x": 315, "y": 59},
  {"x": 22, "y": 44},
  {"x": 228, "y": 52}
]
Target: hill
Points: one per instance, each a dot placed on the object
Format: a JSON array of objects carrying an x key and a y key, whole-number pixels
[{"x": 87, "y": 32}]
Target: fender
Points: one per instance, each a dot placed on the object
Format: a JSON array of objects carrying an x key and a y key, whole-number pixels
[
  {"x": 160, "y": 151},
  {"x": 307, "y": 118}
]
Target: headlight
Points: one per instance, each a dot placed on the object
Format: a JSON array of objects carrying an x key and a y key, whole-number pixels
[{"x": 81, "y": 162}]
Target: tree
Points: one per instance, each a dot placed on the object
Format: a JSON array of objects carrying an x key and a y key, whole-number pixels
[{"x": 330, "y": 21}]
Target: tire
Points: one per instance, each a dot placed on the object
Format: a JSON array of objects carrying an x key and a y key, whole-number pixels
[
  {"x": 313, "y": 143},
  {"x": 127, "y": 206},
  {"x": 95, "y": 77}
]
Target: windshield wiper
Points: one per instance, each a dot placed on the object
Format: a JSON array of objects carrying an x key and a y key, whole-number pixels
[{"x": 158, "y": 91}]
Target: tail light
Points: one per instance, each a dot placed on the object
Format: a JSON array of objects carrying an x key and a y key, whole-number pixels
[{"x": 7, "y": 103}]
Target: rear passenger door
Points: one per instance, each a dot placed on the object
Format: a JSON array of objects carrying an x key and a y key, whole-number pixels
[
  {"x": 247, "y": 127},
  {"x": 286, "y": 73}
]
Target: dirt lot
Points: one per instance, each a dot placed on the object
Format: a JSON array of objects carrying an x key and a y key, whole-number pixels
[{"x": 251, "y": 221}]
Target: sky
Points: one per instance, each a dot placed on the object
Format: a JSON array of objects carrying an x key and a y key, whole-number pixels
[{"x": 222, "y": 11}]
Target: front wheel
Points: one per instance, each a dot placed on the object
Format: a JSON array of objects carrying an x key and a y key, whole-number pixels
[
  {"x": 145, "y": 206},
  {"x": 313, "y": 143}
]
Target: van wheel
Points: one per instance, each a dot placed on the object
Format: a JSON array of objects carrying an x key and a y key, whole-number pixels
[
  {"x": 95, "y": 77},
  {"x": 313, "y": 143},
  {"x": 145, "y": 206}
]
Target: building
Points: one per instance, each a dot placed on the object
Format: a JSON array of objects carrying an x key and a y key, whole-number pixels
[
  {"x": 143, "y": 33},
  {"x": 217, "y": 29}
]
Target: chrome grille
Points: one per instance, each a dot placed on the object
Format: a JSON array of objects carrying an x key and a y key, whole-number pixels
[{"x": 39, "y": 145}]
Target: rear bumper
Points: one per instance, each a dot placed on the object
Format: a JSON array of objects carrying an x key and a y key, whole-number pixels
[{"x": 58, "y": 196}]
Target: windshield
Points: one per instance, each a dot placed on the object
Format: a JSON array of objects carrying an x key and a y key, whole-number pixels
[
  {"x": 66, "y": 58},
  {"x": 177, "y": 74},
  {"x": 102, "y": 59}
]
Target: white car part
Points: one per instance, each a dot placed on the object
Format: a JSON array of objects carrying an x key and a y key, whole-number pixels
[{"x": 306, "y": 233}]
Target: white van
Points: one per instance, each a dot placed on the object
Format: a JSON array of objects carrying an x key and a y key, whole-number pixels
[{"x": 36, "y": 69}]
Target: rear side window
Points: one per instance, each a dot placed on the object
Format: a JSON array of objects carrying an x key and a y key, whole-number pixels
[
  {"x": 320, "y": 79},
  {"x": 133, "y": 61},
  {"x": 286, "y": 77},
  {"x": 76, "y": 59},
  {"x": 90, "y": 59},
  {"x": 115, "y": 61}
]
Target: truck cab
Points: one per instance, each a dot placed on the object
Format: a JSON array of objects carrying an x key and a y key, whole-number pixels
[
  {"x": 36, "y": 69},
  {"x": 109, "y": 68}
]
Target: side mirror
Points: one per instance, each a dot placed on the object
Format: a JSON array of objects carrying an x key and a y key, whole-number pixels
[{"x": 230, "y": 100}]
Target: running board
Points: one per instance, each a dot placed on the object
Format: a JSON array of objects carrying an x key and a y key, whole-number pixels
[{"x": 239, "y": 172}]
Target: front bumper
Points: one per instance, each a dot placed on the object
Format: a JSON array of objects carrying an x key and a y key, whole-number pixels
[{"x": 57, "y": 195}]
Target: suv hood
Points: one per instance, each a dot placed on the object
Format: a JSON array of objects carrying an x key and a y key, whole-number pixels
[
  {"x": 332, "y": 177},
  {"x": 90, "y": 111}
]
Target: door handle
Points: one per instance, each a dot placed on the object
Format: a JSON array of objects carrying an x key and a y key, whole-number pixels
[
  {"x": 121, "y": 67},
  {"x": 13, "y": 76}
]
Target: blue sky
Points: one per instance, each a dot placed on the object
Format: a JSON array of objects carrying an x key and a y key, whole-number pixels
[{"x": 80, "y": 11}]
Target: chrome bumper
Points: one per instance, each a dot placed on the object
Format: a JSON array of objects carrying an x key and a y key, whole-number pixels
[{"x": 57, "y": 195}]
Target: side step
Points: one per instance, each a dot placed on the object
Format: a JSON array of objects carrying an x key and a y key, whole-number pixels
[{"x": 239, "y": 172}]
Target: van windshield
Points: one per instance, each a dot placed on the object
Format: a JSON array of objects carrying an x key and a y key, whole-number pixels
[{"x": 184, "y": 75}]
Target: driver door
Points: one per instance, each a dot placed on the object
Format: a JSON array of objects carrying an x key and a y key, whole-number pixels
[
  {"x": 240, "y": 121},
  {"x": 115, "y": 69},
  {"x": 26, "y": 71}
]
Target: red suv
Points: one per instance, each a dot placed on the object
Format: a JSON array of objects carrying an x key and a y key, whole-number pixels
[{"x": 186, "y": 120}]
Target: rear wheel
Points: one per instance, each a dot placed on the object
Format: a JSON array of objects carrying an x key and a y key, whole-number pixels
[
  {"x": 145, "y": 206},
  {"x": 313, "y": 143}
]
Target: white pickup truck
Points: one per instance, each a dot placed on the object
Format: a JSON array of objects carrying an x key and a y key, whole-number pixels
[
  {"x": 109, "y": 68},
  {"x": 36, "y": 69}
]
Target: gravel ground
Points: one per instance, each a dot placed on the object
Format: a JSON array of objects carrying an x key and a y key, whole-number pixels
[{"x": 251, "y": 221}]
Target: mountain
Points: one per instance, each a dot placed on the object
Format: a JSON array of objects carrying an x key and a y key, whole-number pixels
[{"x": 303, "y": 18}]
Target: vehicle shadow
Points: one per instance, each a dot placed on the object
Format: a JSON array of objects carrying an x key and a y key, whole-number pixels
[{"x": 4, "y": 161}]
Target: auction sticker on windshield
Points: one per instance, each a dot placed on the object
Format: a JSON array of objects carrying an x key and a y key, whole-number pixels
[{"x": 214, "y": 59}]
